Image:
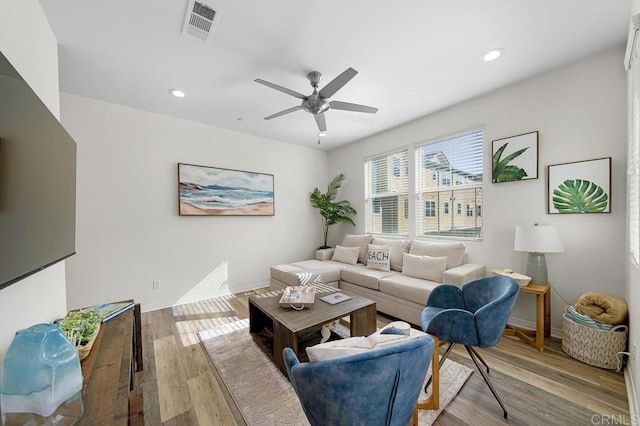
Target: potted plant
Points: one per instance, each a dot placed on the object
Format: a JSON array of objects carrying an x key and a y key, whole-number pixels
[{"x": 332, "y": 212}]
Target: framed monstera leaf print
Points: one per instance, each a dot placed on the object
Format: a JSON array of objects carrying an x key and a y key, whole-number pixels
[{"x": 579, "y": 187}]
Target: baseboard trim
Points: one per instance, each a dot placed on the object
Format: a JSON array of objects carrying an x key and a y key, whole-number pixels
[
  {"x": 632, "y": 396},
  {"x": 169, "y": 303},
  {"x": 530, "y": 325}
]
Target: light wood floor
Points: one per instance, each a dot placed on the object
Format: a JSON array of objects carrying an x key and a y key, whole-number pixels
[{"x": 181, "y": 386}]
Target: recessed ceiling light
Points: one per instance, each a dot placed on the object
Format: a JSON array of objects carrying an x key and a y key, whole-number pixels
[
  {"x": 177, "y": 93},
  {"x": 492, "y": 55},
  {"x": 322, "y": 134}
]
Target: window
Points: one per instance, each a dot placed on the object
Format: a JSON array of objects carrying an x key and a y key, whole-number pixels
[
  {"x": 446, "y": 178},
  {"x": 479, "y": 211},
  {"x": 430, "y": 209},
  {"x": 386, "y": 194},
  {"x": 458, "y": 162},
  {"x": 633, "y": 161}
]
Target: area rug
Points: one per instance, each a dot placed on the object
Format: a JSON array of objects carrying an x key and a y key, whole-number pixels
[{"x": 265, "y": 397}]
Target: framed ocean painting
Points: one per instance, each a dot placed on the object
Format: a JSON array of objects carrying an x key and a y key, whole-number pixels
[{"x": 212, "y": 191}]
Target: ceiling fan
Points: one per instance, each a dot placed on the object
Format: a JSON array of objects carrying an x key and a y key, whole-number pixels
[{"x": 318, "y": 102}]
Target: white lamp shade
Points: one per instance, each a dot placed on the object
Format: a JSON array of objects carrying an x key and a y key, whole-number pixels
[{"x": 538, "y": 239}]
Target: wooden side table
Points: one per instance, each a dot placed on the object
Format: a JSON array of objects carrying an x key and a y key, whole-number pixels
[{"x": 536, "y": 337}]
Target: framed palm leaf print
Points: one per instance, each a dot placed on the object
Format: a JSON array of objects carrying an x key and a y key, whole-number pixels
[{"x": 515, "y": 158}]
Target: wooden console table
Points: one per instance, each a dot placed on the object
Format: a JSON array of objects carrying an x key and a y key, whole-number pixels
[
  {"x": 536, "y": 337},
  {"x": 111, "y": 394}
]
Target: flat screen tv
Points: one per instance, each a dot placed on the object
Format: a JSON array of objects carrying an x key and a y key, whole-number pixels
[{"x": 37, "y": 182}]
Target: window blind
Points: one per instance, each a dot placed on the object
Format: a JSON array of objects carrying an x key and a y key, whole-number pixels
[
  {"x": 449, "y": 173},
  {"x": 386, "y": 194},
  {"x": 633, "y": 159}
]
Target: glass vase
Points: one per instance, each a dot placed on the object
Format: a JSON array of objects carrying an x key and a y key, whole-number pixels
[{"x": 41, "y": 379}]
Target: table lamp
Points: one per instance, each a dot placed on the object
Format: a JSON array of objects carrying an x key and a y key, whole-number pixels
[{"x": 538, "y": 240}]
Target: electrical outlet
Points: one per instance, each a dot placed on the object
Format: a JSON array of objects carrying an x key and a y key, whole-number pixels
[{"x": 156, "y": 284}]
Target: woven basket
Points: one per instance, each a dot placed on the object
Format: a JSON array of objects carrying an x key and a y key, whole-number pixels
[{"x": 594, "y": 346}]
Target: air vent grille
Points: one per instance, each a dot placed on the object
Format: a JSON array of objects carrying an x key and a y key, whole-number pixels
[{"x": 200, "y": 20}]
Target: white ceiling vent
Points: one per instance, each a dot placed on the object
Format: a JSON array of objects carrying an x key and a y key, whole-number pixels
[{"x": 200, "y": 21}]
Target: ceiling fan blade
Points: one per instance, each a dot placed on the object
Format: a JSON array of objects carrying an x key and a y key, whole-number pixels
[
  {"x": 280, "y": 88},
  {"x": 346, "y": 106},
  {"x": 322, "y": 124},
  {"x": 286, "y": 111},
  {"x": 336, "y": 84}
]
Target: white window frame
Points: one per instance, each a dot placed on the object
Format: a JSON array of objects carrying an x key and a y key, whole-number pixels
[
  {"x": 457, "y": 160},
  {"x": 398, "y": 186},
  {"x": 633, "y": 157}
]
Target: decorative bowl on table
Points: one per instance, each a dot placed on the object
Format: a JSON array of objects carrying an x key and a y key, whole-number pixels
[{"x": 521, "y": 279}]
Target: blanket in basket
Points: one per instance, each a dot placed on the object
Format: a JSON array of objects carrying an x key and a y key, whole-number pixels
[{"x": 603, "y": 308}]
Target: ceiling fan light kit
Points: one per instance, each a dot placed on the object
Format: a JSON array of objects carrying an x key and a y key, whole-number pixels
[{"x": 317, "y": 103}]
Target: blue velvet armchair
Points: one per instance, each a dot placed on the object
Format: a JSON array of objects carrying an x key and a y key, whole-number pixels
[
  {"x": 474, "y": 315},
  {"x": 379, "y": 387}
]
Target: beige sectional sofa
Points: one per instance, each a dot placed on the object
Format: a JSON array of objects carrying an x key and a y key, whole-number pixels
[{"x": 415, "y": 269}]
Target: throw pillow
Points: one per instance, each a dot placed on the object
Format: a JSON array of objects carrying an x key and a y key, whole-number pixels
[
  {"x": 360, "y": 241},
  {"x": 397, "y": 248},
  {"x": 453, "y": 251},
  {"x": 379, "y": 257},
  {"x": 393, "y": 330},
  {"x": 353, "y": 346},
  {"x": 398, "y": 325},
  {"x": 425, "y": 267},
  {"x": 346, "y": 255}
]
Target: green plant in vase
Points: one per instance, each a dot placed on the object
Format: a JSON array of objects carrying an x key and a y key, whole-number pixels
[{"x": 332, "y": 212}]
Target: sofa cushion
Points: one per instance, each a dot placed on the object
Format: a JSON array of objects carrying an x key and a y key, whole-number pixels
[
  {"x": 397, "y": 247},
  {"x": 307, "y": 271},
  {"x": 454, "y": 252},
  {"x": 348, "y": 255},
  {"x": 425, "y": 267},
  {"x": 379, "y": 257},
  {"x": 364, "y": 277},
  {"x": 412, "y": 289},
  {"x": 360, "y": 241},
  {"x": 353, "y": 346}
]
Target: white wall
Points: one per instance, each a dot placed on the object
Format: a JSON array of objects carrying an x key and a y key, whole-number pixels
[
  {"x": 128, "y": 229},
  {"x": 27, "y": 41},
  {"x": 580, "y": 112}
]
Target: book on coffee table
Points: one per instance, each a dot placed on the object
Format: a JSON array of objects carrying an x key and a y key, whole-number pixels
[{"x": 332, "y": 299}]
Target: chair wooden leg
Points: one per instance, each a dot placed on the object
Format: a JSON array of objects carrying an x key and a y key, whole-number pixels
[{"x": 472, "y": 354}]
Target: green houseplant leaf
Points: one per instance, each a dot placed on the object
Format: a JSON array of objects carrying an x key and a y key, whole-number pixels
[
  {"x": 579, "y": 196},
  {"x": 502, "y": 170},
  {"x": 332, "y": 212}
]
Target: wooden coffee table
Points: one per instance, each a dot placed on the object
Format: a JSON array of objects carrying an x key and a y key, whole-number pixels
[{"x": 275, "y": 328}]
